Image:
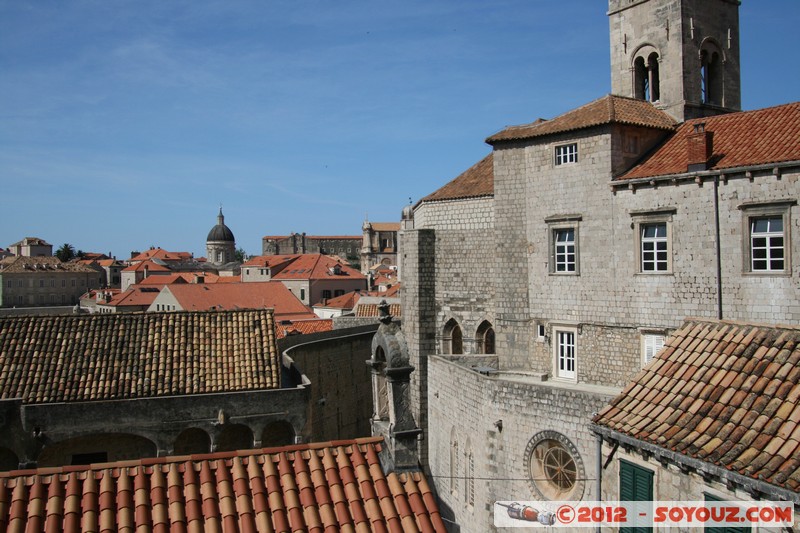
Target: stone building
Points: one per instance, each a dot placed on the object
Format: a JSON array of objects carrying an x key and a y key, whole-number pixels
[
  {"x": 40, "y": 281},
  {"x": 31, "y": 247},
  {"x": 538, "y": 282},
  {"x": 712, "y": 418},
  {"x": 109, "y": 387},
  {"x": 347, "y": 247},
  {"x": 220, "y": 243},
  {"x": 379, "y": 246},
  {"x": 311, "y": 277}
]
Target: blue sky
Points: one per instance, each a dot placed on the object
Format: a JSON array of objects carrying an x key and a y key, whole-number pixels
[{"x": 125, "y": 124}]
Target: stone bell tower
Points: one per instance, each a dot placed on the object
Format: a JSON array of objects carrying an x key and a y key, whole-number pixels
[{"x": 682, "y": 55}]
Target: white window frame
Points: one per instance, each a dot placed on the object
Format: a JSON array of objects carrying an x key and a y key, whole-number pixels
[
  {"x": 644, "y": 219},
  {"x": 560, "y": 223},
  {"x": 769, "y": 210},
  {"x": 652, "y": 342},
  {"x": 772, "y": 241},
  {"x": 564, "y": 352},
  {"x": 565, "y": 251},
  {"x": 565, "y": 154}
]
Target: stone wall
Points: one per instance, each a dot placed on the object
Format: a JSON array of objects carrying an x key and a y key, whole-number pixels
[
  {"x": 41, "y": 428},
  {"x": 496, "y": 417},
  {"x": 340, "y": 390}
]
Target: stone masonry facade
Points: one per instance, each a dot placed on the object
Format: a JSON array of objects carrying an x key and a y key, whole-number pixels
[{"x": 466, "y": 261}]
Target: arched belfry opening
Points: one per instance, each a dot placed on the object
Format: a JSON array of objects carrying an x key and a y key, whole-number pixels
[
  {"x": 711, "y": 73},
  {"x": 391, "y": 395},
  {"x": 484, "y": 338},
  {"x": 646, "y": 75},
  {"x": 452, "y": 338}
]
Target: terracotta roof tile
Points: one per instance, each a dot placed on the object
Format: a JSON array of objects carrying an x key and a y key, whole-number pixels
[
  {"x": 111, "y": 356},
  {"x": 230, "y": 296},
  {"x": 286, "y": 328},
  {"x": 731, "y": 412},
  {"x": 476, "y": 181},
  {"x": 746, "y": 138},
  {"x": 610, "y": 109},
  {"x": 224, "y": 493}
]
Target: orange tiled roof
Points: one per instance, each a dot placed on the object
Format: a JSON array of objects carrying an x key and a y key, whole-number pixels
[
  {"x": 610, "y": 109},
  {"x": 160, "y": 253},
  {"x": 722, "y": 392},
  {"x": 476, "y": 181},
  {"x": 331, "y": 486},
  {"x": 345, "y": 301},
  {"x": 315, "y": 267},
  {"x": 165, "y": 279},
  {"x": 747, "y": 138},
  {"x": 137, "y": 355},
  {"x": 269, "y": 260},
  {"x": 226, "y": 296},
  {"x": 303, "y": 327},
  {"x": 134, "y": 296},
  {"x": 149, "y": 265}
]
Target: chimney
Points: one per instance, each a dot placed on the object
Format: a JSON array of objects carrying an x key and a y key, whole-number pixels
[{"x": 700, "y": 146}]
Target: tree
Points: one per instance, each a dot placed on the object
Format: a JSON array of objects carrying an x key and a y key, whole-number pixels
[
  {"x": 240, "y": 255},
  {"x": 66, "y": 252}
]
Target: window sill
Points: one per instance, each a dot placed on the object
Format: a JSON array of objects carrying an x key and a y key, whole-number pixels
[
  {"x": 768, "y": 274},
  {"x": 668, "y": 273},
  {"x": 568, "y": 274}
]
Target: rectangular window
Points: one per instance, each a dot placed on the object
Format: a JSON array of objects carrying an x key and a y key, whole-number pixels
[
  {"x": 654, "y": 247},
  {"x": 63, "y": 283},
  {"x": 767, "y": 250},
  {"x": 635, "y": 485},
  {"x": 651, "y": 344},
  {"x": 564, "y": 252},
  {"x": 766, "y": 237},
  {"x": 326, "y": 294},
  {"x": 725, "y": 529},
  {"x": 565, "y": 356},
  {"x": 41, "y": 283},
  {"x": 302, "y": 294},
  {"x": 9, "y": 284},
  {"x": 566, "y": 153}
]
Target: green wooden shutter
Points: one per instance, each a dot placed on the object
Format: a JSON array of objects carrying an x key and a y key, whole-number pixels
[{"x": 635, "y": 485}]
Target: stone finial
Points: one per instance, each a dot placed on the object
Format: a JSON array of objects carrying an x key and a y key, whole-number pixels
[{"x": 383, "y": 309}]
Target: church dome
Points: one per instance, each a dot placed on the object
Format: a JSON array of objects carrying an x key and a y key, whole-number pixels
[{"x": 220, "y": 232}]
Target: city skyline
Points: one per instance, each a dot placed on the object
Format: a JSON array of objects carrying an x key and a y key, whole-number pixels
[{"x": 127, "y": 125}]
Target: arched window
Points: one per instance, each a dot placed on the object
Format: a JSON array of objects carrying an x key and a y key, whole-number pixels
[
  {"x": 655, "y": 82},
  {"x": 646, "y": 78},
  {"x": 710, "y": 76},
  {"x": 279, "y": 433},
  {"x": 192, "y": 440},
  {"x": 235, "y": 437},
  {"x": 484, "y": 338},
  {"x": 453, "y": 339}
]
